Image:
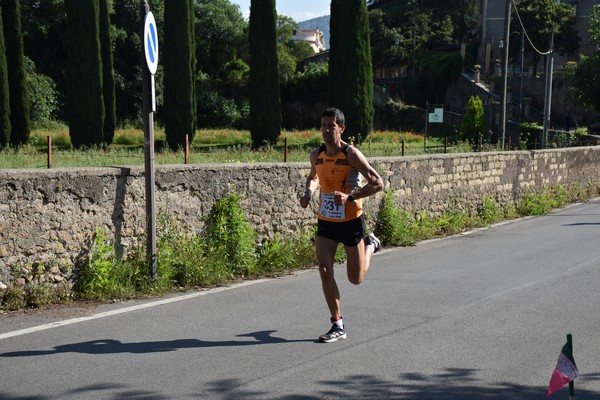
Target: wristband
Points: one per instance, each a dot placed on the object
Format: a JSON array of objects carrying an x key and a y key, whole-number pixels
[{"x": 350, "y": 198}]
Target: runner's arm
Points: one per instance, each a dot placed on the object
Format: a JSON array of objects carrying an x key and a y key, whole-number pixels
[
  {"x": 374, "y": 181},
  {"x": 312, "y": 181}
]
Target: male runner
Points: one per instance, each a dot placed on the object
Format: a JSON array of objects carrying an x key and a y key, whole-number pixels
[{"x": 336, "y": 166}]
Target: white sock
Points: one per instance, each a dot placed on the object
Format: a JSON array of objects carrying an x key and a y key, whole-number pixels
[{"x": 339, "y": 323}]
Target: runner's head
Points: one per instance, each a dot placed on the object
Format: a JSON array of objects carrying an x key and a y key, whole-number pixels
[{"x": 334, "y": 112}]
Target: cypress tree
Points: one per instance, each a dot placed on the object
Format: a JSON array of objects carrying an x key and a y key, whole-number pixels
[
  {"x": 84, "y": 74},
  {"x": 350, "y": 67},
  {"x": 265, "y": 101},
  {"x": 108, "y": 74},
  {"x": 193, "y": 65},
  {"x": 4, "y": 102},
  {"x": 178, "y": 57},
  {"x": 473, "y": 124},
  {"x": 19, "y": 103}
]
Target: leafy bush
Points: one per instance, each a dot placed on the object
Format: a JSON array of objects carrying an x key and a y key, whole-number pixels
[
  {"x": 532, "y": 203},
  {"x": 181, "y": 257},
  {"x": 43, "y": 97},
  {"x": 284, "y": 254},
  {"x": 394, "y": 226},
  {"x": 215, "y": 109},
  {"x": 489, "y": 212},
  {"x": 230, "y": 239},
  {"x": 13, "y": 299},
  {"x": 103, "y": 275},
  {"x": 530, "y": 131},
  {"x": 394, "y": 114},
  {"x": 307, "y": 85}
]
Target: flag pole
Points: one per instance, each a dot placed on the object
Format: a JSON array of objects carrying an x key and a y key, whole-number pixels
[{"x": 572, "y": 382}]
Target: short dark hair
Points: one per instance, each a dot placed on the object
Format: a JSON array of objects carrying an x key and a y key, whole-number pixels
[{"x": 334, "y": 112}]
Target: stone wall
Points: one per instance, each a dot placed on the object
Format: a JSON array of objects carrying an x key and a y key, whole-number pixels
[{"x": 46, "y": 216}]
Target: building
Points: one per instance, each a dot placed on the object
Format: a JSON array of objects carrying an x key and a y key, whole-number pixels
[{"x": 314, "y": 38}]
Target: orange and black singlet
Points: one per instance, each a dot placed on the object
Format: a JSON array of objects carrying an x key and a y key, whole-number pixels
[{"x": 336, "y": 174}]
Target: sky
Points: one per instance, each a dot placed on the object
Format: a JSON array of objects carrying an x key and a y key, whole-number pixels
[{"x": 298, "y": 10}]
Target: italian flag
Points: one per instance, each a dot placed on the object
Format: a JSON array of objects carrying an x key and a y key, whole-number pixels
[{"x": 565, "y": 371}]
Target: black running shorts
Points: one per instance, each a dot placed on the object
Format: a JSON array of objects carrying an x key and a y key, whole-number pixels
[{"x": 350, "y": 233}]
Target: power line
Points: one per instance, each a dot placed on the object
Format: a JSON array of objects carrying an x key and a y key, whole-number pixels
[{"x": 525, "y": 32}]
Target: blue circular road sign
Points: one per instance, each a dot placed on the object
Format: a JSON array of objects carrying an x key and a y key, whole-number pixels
[{"x": 151, "y": 43}]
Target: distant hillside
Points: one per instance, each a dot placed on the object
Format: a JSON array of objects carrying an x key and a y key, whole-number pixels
[{"x": 321, "y": 22}]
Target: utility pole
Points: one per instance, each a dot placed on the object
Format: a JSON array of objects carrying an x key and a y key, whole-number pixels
[
  {"x": 505, "y": 70},
  {"x": 548, "y": 91},
  {"x": 521, "y": 77}
]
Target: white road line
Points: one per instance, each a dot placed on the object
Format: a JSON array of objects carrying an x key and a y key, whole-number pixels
[{"x": 125, "y": 310}]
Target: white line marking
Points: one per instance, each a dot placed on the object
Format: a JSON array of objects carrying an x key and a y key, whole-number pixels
[{"x": 125, "y": 310}]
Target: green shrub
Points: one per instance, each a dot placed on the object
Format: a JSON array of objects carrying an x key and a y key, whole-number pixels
[
  {"x": 393, "y": 226},
  {"x": 14, "y": 298},
  {"x": 285, "y": 254},
  {"x": 578, "y": 136},
  {"x": 542, "y": 202},
  {"x": 102, "y": 275},
  {"x": 530, "y": 132},
  {"x": 230, "y": 239},
  {"x": 181, "y": 257},
  {"x": 452, "y": 222},
  {"x": 489, "y": 212},
  {"x": 43, "y": 97}
]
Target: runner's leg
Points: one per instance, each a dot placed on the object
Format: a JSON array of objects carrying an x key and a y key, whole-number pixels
[
  {"x": 326, "y": 255},
  {"x": 358, "y": 261}
]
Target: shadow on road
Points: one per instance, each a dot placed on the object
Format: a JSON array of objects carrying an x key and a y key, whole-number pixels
[
  {"x": 449, "y": 384},
  {"x": 110, "y": 346}
]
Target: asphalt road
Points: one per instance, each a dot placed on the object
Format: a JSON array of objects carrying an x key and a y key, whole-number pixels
[{"x": 477, "y": 316}]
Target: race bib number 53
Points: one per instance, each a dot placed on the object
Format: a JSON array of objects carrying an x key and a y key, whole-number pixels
[{"x": 329, "y": 209}]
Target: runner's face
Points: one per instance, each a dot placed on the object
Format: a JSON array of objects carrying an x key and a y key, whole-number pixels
[{"x": 332, "y": 132}]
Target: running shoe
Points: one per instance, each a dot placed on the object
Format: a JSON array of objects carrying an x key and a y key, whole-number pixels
[
  {"x": 372, "y": 239},
  {"x": 334, "y": 334}
]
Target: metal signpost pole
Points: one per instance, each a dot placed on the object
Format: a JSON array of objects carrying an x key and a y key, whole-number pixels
[{"x": 149, "y": 63}]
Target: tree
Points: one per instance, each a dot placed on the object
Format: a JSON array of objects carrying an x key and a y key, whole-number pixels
[
  {"x": 4, "y": 102},
  {"x": 289, "y": 52},
  {"x": 594, "y": 24},
  {"x": 584, "y": 78},
  {"x": 265, "y": 101},
  {"x": 350, "y": 68},
  {"x": 473, "y": 124},
  {"x": 19, "y": 104},
  {"x": 108, "y": 75},
  {"x": 541, "y": 18},
  {"x": 128, "y": 63},
  {"x": 585, "y": 81},
  {"x": 43, "y": 98},
  {"x": 84, "y": 72},
  {"x": 44, "y": 38},
  {"x": 222, "y": 65},
  {"x": 402, "y": 31},
  {"x": 221, "y": 36},
  {"x": 178, "y": 60}
]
